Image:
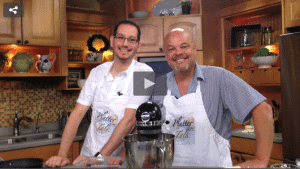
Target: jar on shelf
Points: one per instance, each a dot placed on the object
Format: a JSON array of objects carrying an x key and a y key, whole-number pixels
[
  {"x": 245, "y": 39},
  {"x": 239, "y": 59},
  {"x": 268, "y": 35}
]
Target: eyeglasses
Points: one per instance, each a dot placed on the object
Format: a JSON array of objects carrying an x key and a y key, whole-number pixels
[{"x": 129, "y": 40}]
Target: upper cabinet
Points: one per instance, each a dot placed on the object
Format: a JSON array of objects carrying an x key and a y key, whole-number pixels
[
  {"x": 152, "y": 34},
  {"x": 190, "y": 24},
  {"x": 155, "y": 28},
  {"x": 40, "y": 25},
  {"x": 291, "y": 13},
  {"x": 39, "y": 33}
]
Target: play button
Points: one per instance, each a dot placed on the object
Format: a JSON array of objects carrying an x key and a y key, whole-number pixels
[{"x": 147, "y": 83}]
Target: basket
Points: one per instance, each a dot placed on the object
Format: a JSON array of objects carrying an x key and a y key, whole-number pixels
[{"x": 75, "y": 54}]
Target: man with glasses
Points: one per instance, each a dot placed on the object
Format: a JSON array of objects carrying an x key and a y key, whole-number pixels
[{"x": 109, "y": 89}]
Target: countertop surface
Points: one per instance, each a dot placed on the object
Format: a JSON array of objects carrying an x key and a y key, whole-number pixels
[
  {"x": 82, "y": 129},
  {"x": 240, "y": 132}
]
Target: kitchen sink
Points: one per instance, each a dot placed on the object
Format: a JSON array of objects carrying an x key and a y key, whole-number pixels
[{"x": 30, "y": 137}]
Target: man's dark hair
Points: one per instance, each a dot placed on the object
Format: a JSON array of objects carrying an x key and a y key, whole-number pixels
[{"x": 130, "y": 23}]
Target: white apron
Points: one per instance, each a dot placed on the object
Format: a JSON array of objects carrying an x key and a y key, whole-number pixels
[
  {"x": 108, "y": 110},
  {"x": 197, "y": 143}
]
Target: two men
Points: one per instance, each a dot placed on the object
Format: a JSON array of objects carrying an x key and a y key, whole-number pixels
[
  {"x": 109, "y": 90},
  {"x": 203, "y": 98}
]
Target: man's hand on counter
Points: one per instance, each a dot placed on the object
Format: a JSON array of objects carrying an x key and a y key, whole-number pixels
[
  {"x": 256, "y": 163},
  {"x": 79, "y": 158},
  {"x": 57, "y": 161}
]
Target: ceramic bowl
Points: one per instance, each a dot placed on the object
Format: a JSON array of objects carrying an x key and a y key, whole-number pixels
[
  {"x": 80, "y": 82},
  {"x": 137, "y": 14},
  {"x": 264, "y": 61}
]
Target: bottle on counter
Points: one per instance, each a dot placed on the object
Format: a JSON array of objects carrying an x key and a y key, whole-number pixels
[
  {"x": 15, "y": 123},
  {"x": 268, "y": 35},
  {"x": 16, "y": 117}
]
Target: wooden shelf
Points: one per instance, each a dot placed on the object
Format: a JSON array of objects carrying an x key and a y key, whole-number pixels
[
  {"x": 29, "y": 74},
  {"x": 75, "y": 25},
  {"x": 257, "y": 12},
  {"x": 250, "y": 48},
  {"x": 255, "y": 68},
  {"x": 83, "y": 64},
  {"x": 73, "y": 88}
]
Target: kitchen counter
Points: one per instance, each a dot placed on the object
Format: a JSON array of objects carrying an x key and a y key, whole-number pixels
[
  {"x": 82, "y": 129},
  {"x": 238, "y": 132}
]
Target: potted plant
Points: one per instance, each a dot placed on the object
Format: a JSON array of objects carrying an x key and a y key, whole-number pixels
[
  {"x": 186, "y": 6},
  {"x": 3, "y": 59}
]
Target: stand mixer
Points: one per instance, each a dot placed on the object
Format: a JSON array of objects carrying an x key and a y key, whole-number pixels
[{"x": 149, "y": 148}]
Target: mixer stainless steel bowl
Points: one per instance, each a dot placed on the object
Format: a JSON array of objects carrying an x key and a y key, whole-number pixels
[{"x": 146, "y": 152}]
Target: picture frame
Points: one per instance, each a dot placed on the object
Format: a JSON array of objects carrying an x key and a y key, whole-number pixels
[{"x": 74, "y": 75}]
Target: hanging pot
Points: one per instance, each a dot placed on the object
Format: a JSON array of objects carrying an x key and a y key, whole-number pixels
[{"x": 22, "y": 163}]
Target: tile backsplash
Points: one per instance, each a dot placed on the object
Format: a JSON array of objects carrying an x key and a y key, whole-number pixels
[{"x": 30, "y": 96}]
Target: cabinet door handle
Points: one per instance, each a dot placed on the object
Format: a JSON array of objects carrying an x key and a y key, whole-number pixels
[
  {"x": 237, "y": 158},
  {"x": 161, "y": 49},
  {"x": 243, "y": 159},
  {"x": 26, "y": 42},
  {"x": 19, "y": 41}
]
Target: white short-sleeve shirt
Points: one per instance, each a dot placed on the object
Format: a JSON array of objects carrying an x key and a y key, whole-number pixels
[{"x": 101, "y": 75}]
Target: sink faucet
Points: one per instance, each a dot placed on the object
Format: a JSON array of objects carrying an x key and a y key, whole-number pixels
[
  {"x": 17, "y": 122},
  {"x": 37, "y": 129}
]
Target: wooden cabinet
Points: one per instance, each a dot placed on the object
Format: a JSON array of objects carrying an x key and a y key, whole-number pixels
[
  {"x": 244, "y": 149},
  {"x": 238, "y": 158},
  {"x": 77, "y": 37},
  {"x": 260, "y": 77},
  {"x": 192, "y": 24},
  {"x": 277, "y": 76},
  {"x": 267, "y": 14},
  {"x": 40, "y": 25},
  {"x": 155, "y": 28},
  {"x": 243, "y": 74},
  {"x": 152, "y": 34},
  {"x": 291, "y": 13},
  {"x": 43, "y": 152}
]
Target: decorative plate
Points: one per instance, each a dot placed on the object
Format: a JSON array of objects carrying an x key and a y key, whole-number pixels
[{"x": 167, "y": 8}]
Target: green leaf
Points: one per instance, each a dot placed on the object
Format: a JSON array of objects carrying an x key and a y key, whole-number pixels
[
  {"x": 262, "y": 52},
  {"x": 272, "y": 54}
]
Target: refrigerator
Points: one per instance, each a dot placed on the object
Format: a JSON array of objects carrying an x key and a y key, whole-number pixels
[{"x": 290, "y": 95}]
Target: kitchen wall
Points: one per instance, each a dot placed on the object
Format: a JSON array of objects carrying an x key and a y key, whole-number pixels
[
  {"x": 30, "y": 96},
  {"x": 211, "y": 32}
]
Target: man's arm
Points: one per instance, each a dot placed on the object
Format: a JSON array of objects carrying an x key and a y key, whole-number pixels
[
  {"x": 68, "y": 136},
  {"x": 264, "y": 132},
  {"x": 123, "y": 129}
]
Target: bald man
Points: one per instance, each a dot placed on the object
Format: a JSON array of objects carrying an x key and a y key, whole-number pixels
[{"x": 199, "y": 105}]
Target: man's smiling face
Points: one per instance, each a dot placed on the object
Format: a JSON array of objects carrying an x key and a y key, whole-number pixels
[
  {"x": 125, "y": 49},
  {"x": 180, "y": 50}
]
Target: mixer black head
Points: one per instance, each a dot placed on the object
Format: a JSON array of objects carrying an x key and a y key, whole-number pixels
[
  {"x": 148, "y": 111},
  {"x": 148, "y": 116}
]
